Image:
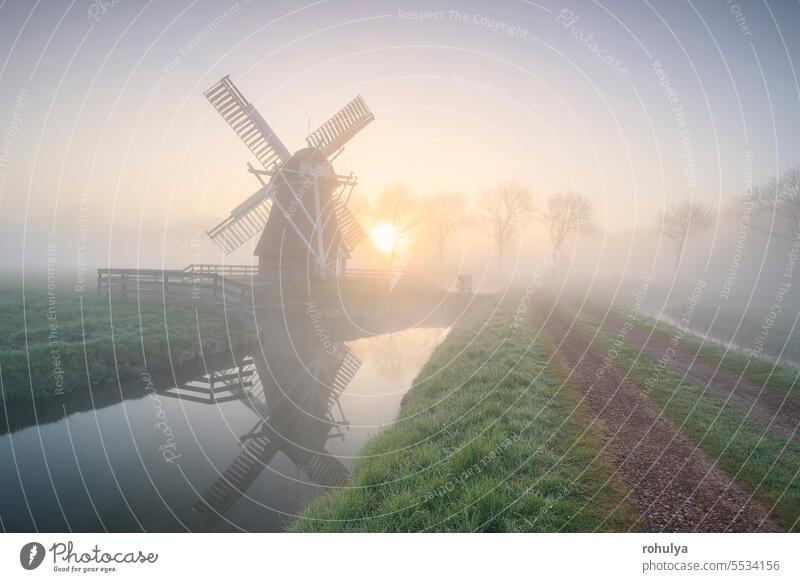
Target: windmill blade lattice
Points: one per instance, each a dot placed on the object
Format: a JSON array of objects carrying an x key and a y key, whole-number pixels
[
  {"x": 248, "y": 124},
  {"x": 244, "y": 222},
  {"x": 351, "y": 230},
  {"x": 236, "y": 479},
  {"x": 340, "y": 128}
]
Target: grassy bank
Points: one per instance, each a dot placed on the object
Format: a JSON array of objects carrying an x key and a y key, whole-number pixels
[
  {"x": 47, "y": 347},
  {"x": 735, "y": 320},
  {"x": 775, "y": 376},
  {"x": 760, "y": 461},
  {"x": 486, "y": 440}
]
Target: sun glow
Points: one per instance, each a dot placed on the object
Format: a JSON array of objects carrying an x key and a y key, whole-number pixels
[{"x": 384, "y": 236}]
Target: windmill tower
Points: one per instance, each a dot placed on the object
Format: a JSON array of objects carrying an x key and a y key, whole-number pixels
[{"x": 307, "y": 230}]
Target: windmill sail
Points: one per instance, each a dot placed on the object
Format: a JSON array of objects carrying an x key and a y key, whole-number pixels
[
  {"x": 325, "y": 470},
  {"x": 248, "y": 124},
  {"x": 349, "y": 364},
  {"x": 351, "y": 230},
  {"x": 236, "y": 479},
  {"x": 340, "y": 128},
  {"x": 244, "y": 221}
]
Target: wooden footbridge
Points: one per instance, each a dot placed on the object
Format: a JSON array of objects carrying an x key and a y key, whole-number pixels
[
  {"x": 235, "y": 286},
  {"x": 229, "y": 284}
]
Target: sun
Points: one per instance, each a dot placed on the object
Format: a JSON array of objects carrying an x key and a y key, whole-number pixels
[{"x": 384, "y": 236}]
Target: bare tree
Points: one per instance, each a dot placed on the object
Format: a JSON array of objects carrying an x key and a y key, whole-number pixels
[
  {"x": 566, "y": 213},
  {"x": 401, "y": 211},
  {"x": 777, "y": 205},
  {"x": 446, "y": 213},
  {"x": 683, "y": 219},
  {"x": 507, "y": 207}
]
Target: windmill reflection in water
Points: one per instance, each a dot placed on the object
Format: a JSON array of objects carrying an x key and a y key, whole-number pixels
[{"x": 293, "y": 388}]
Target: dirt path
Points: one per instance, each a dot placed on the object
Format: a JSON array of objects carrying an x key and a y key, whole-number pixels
[
  {"x": 765, "y": 405},
  {"x": 674, "y": 485}
]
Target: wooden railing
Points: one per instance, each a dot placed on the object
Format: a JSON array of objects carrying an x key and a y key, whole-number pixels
[
  {"x": 240, "y": 271},
  {"x": 229, "y": 284},
  {"x": 192, "y": 284}
]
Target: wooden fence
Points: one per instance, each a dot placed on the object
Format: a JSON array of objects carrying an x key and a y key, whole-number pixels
[
  {"x": 182, "y": 284},
  {"x": 233, "y": 285}
]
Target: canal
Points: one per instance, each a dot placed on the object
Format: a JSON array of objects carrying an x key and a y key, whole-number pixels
[{"x": 224, "y": 445}]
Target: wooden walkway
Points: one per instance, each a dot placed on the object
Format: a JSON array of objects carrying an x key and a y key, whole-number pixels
[
  {"x": 229, "y": 284},
  {"x": 232, "y": 285}
]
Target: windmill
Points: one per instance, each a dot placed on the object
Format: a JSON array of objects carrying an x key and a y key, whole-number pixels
[{"x": 307, "y": 230}]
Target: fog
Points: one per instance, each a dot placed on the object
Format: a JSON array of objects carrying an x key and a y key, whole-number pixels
[{"x": 112, "y": 156}]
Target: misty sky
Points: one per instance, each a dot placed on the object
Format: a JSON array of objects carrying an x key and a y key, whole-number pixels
[{"x": 106, "y": 135}]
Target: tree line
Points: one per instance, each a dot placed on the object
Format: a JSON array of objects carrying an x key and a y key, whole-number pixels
[
  {"x": 506, "y": 209},
  {"x": 503, "y": 211}
]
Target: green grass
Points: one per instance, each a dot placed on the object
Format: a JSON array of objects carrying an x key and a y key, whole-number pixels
[
  {"x": 773, "y": 376},
  {"x": 487, "y": 439},
  {"x": 144, "y": 337},
  {"x": 760, "y": 461},
  {"x": 777, "y": 377},
  {"x": 745, "y": 327}
]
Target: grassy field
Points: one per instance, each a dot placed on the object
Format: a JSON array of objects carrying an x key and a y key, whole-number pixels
[
  {"x": 730, "y": 322},
  {"x": 760, "y": 461},
  {"x": 47, "y": 348},
  {"x": 778, "y": 377},
  {"x": 500, "y": 448}
]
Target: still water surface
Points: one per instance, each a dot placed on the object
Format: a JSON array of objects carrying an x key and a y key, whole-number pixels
[{"x": 279, "y": 431}]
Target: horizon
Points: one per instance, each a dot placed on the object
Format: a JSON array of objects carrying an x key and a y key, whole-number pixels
[{"x": 111, "y": 139}]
